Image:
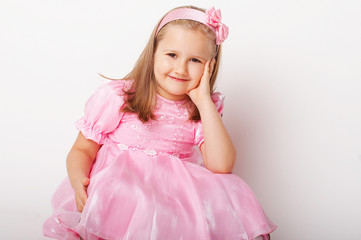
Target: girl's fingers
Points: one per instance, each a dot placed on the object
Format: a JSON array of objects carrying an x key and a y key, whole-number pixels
[
  {"x": 205, "y": 76},
  {"x": 85, "y": 182},
  {"x": 81, "y": 200},
  {"x": 79, "y": 204},
  {"x": 81, "y": 195},
  {"x": 211, "y": 67},
  {"x": 213, "y": 64},
  {"x": 208, "y": 68},
  {"x": 202, "y": 87}
]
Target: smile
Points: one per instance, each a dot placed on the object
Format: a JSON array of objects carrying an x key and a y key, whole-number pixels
[{"x": 178, "y": 79}]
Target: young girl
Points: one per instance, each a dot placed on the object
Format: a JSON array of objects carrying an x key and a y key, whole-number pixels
[{"x": 133, "y": 171}]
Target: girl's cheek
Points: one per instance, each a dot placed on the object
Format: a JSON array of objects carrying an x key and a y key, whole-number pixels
[
  {"x": 161, "y": 64},
  {"x": 166, "y": 64},
  {"x": 198, "y": 71}
]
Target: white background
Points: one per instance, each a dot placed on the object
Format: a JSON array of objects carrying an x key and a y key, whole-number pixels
[{"x": 291, "y": 73}]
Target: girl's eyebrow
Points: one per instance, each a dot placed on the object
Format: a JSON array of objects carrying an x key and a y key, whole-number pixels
[
  {"x": 170, "y": 50},
  {"x": 192, "y": 56}
]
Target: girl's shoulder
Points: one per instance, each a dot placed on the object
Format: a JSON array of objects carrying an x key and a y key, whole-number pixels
[
  {"x": 217, "y": 97},
  {"x": 102, "y": 110},
  {"x": 116, "y": 86},
  {"x": 108, "y": 97},
  {"x": 218, "y": 100}
]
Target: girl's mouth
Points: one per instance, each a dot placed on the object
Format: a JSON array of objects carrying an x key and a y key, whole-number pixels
[{"x": 178, "y": 79}]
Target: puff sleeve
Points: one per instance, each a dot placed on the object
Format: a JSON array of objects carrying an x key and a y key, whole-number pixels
[
  {"x": 102, "y": 111},
  {"x": 218, "y": 100}
]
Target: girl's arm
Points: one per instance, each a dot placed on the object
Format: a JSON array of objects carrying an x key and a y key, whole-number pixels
[
  {"x": 78, "y": 163},
  {"x": 218, "y": 151}
]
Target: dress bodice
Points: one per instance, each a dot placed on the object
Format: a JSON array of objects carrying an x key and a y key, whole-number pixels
[{"x": 171, "y": 132}]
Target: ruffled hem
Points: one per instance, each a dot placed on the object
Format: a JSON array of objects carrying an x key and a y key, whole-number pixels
[{"x": 89, "y": 132}]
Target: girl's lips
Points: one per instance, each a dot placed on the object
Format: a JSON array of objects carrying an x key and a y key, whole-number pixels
[{"x": 179, "y": 79}]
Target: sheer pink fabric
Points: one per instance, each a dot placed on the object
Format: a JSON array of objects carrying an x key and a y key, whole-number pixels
[{"x": 148, "y": 182}]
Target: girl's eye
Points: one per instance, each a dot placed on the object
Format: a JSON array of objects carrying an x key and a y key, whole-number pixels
[
  {"x": 195, "y": 60},
  {"x": 172, "y": 55}
]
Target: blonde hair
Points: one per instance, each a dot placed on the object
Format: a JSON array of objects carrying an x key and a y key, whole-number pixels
[{"x": 141, "y": 97}]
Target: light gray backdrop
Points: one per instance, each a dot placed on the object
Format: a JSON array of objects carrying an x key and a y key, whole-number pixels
[{"x": 290, "y": 72}]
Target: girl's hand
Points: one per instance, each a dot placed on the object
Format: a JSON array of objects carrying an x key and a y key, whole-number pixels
[
  {"x": 78, "y": 164},
  {"x": 202, "y": 91},
  {"x": 81, "y": 193}
]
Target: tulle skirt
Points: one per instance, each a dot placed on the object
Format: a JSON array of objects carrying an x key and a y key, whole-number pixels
[{"x": 139, "y": 197}]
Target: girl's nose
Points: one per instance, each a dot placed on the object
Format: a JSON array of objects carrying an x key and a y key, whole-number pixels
[{"x": 181, "y": 67}]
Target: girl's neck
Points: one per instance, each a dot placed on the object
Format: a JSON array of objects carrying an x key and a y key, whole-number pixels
[{"x": 183, "y": 100}]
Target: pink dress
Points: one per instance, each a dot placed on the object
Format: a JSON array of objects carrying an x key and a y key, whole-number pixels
[{"x": 149, "y": 182}]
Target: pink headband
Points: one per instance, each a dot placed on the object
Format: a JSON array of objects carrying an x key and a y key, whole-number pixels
[{"x": 211, "y": 18}]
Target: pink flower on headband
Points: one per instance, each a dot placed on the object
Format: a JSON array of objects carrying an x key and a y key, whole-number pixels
[{"x": 214, "y": 20}]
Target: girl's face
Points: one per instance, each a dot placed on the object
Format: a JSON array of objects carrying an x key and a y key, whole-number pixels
[{"x": 179, "y": 61}]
